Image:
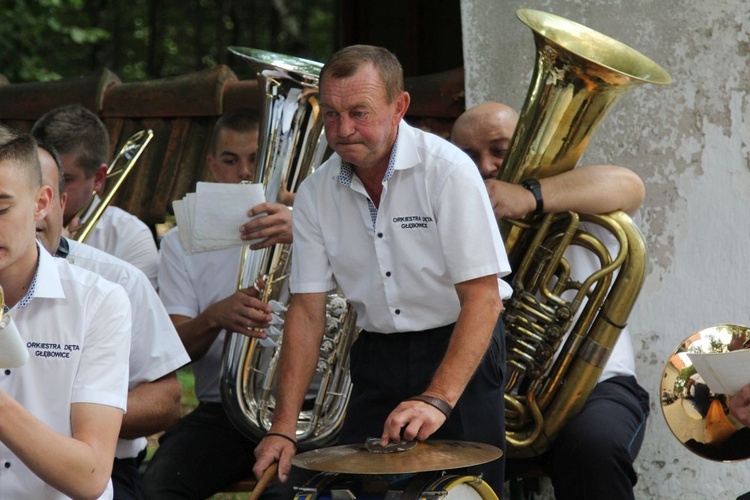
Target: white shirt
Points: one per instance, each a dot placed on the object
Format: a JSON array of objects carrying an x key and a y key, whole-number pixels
[
  {"x": 77, "y": 331},
  {"x": 155, "y": 348},
  {"x": 127, "y": 237},
  {"x": 188, "y": 284},
  {"x": 434, "y": 228}
]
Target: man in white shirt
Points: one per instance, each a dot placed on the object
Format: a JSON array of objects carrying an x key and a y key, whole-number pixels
[
  {"x": 155, "y": 350},
  {"x": 204, "y": 452},
  {"x": 593, "y": 456},
  {"x": 82, "y": 142},
  {"x": 60, "y": 413},
  {"x": 400, "y": 220}
]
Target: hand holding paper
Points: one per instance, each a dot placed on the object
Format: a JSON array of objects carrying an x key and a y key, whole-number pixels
[{"x": 210, "y": 218}]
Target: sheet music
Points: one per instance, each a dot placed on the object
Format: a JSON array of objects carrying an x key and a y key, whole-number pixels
[
  {"x": 723, "y": 373},
  {"x": 210, "y": 218}
]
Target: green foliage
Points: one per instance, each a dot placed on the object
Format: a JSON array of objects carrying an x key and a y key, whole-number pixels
[
  {"x": 38, "y": 33},
  {"x": 147, "y": 39},
  {"x": 187, "y": 382}
]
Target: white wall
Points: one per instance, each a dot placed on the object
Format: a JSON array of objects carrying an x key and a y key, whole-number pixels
[{"x": 689, "y": 142}]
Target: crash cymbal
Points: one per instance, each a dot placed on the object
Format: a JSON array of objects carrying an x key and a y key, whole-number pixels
[{"x": 425, "y": 456}]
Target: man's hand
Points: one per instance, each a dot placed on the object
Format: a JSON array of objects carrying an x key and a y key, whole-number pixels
[
  {"x": 241, "y": 312},
  {"x": 738, "y": 341},
  {"x": 739, "y": 405},
  {"x": 411, "y": 420},
  {"x": 274, "y": 227},
  {"x": 511, "y": 201},
  {"x": 274, "y": 449}
]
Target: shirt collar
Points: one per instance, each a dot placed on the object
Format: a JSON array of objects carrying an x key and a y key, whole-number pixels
[
  {"x": 26, "y": 299},
  {"x": 48, "y": 282},
  {"x": 346, "y": 173}
]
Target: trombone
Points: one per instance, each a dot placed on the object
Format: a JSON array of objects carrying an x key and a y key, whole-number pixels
[{"x": 119, "y": 169}]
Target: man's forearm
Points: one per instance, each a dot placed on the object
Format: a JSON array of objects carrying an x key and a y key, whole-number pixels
[
  {"x": 152, "y": 407},
  {"x": 197, "y": 334},
  {"x": 593, "y": 189},
  {"x": 81, "y": 466},
  {"x": 469, "y": 341}
]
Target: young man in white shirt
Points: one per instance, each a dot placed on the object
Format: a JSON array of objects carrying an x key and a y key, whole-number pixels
[
  {"x": 156, "y": 351},
  {"x": 204, "y": 452},
  {"x": 82, "y": 142},
  {"x": 60, "y": 413}
]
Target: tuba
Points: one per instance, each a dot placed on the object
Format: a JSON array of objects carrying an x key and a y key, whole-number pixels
[
  {"x": 291, "y": 145},
  {"x": 578, "y": 75},
  {"x": 698, "y": 416},
  {"x": 117, "y": 171}
]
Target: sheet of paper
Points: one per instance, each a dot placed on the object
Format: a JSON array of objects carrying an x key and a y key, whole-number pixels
[
  {"x": 210, "y": 218},
  {"x": 724, "y": 373}
]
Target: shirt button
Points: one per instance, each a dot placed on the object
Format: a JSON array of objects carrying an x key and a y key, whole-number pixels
[
  {"x": 398, "y": 311},
  {"x": 387, "y": 273},
  {"x": 380, "y": 235},
  {"x": 7, "y": 465},
  {"x": 7, "y": 372}
]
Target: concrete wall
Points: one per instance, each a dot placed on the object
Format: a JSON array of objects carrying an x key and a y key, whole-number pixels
[{"x": 690, "y": 143}]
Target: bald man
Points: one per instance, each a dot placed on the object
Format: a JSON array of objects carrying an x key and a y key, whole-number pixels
[
  {"x": 592, "y": 457},
  {"x": 484, "y": 132}
]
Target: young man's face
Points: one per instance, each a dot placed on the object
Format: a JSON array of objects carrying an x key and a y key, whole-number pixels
[
  {"x": 233, "y": 158},
  {"x": 78, "y": 185},
  {"x": 21, "y": 206}
]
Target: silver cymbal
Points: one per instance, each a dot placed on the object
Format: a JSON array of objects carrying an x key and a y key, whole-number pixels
[{"x": 425, "y": 456}]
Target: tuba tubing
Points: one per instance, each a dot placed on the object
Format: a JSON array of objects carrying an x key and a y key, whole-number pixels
[{"x": 561, "y": 331}]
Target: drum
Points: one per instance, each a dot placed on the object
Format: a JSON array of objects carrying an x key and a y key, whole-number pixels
[{"x": 425, "y": 485}]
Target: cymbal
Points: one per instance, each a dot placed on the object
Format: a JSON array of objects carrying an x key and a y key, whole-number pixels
[{"x": 426, "y": 456}]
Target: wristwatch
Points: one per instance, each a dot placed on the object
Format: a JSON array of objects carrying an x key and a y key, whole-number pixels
[{"x": 536, "y": 189}]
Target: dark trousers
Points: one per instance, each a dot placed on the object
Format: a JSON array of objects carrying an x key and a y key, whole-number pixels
[
  {"x": 702, "y": 398},
  {"x": 592, "y": 457},
  {"x": 126, "y": 481},
  {"x": 202, "y": 454},
  {"x": 387, "y": 369}
]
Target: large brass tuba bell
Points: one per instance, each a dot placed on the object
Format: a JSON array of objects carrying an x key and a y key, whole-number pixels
[
  {"x": 291, "y": 145},
  {"x": 578, "y": 75}
]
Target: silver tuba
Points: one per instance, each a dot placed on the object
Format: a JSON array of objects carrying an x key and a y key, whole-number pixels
[
  {"x": 291, "y": 145},
  {"x": 579, "y": 74}
]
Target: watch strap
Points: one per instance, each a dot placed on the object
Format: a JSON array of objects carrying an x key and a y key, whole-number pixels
[{"x": 536, "y": 189}]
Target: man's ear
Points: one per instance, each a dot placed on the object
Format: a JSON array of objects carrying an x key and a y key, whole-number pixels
[
  {"x": 43, "y": 202},
  {"x": 100, "y": 176},
  {"x": 402, "y": 104},
  {"x": 211, "y": 164},
  {"x": 63, "y": 201}
]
